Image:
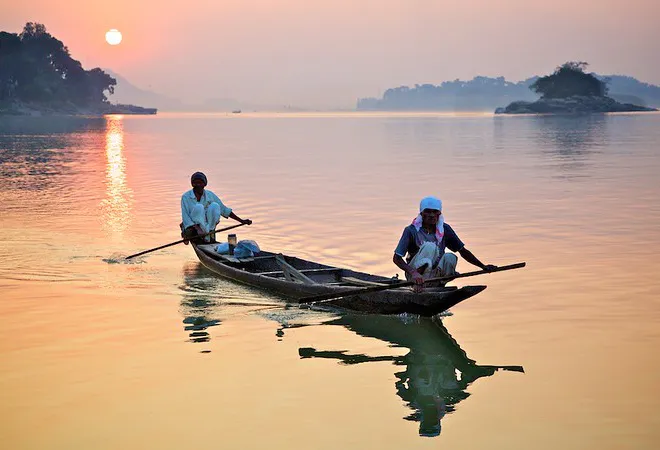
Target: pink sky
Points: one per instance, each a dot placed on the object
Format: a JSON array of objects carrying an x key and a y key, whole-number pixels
[{"x": 328, "y": 53}]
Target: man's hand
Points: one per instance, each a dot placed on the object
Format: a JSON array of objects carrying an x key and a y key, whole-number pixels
[
  {"x": 418, "y": 279},
  {"x": 246, "y": 222},
  {"x": 489, "y": 267}
]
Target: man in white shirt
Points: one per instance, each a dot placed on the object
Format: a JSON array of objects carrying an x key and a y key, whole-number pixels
[{"x": 201, "y": 210}]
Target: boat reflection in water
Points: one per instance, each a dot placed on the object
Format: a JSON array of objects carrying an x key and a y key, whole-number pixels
[
  {"x": 207, "y": 300},
  {"x": 198, "y": 301},
  {"x": 436, "y": 372},
  {"x": 434, "y": 375}
]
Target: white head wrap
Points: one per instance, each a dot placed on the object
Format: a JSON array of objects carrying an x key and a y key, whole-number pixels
[{"x": 430, "y": 203}]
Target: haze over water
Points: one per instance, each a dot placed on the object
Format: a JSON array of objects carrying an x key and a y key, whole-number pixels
[{"x": 163, "y": 354}]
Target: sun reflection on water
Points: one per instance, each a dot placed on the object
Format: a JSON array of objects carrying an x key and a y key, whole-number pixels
[{"x": 119, "y": 197}]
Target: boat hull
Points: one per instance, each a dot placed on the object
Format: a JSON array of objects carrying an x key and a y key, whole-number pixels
[{"x": 392, "y": 301}]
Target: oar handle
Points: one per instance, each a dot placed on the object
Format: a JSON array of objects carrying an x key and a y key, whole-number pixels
[
  {"x": 183, "y": 240},
  {"x": 334, "y": 295},
  {"x": 476, "y": 272}
]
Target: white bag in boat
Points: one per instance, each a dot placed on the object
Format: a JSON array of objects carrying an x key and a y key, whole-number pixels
[
  {"x": 222, "y": 248},
  {"x": 246, "y": 249}
]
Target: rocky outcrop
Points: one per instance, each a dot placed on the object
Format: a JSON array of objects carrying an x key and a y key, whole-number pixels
[{"x": 570, "y": 105}]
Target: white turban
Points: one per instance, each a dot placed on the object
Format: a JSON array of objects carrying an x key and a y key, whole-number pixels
[{"x": 430, "y": 203}]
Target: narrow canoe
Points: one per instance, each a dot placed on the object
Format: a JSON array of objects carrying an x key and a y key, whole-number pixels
[{"x": 296, "y": 278}]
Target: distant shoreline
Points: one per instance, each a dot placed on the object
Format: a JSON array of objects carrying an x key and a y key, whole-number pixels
[{"x": 39, "y": 109}]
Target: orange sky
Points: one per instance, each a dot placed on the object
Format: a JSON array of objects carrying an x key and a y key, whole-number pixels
[{"x": 327, "y": 53}]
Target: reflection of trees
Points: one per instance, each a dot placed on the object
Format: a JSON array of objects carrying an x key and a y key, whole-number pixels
[
  {"x": 436, "y": 371},
  {"x": 197, "y": 303},
  {"x": 46, "y": 126},
  {"x": 35, "y": 149},
  {"x": 566, "y": 142},
  {"x": 569, "y": 141},
  {"x": 570, "y": 136}
]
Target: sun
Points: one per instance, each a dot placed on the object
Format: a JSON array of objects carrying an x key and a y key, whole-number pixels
[{"x": 113, "y": 37}]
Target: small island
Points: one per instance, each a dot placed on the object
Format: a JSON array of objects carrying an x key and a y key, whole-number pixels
[
  {"x": 38, "y": 76},
  {"x": 570, "y": 90}
]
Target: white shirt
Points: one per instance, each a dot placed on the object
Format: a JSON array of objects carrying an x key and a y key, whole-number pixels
[{"x": 189, "y": 200}]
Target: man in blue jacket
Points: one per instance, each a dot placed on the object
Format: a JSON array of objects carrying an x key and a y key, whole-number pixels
[{"x": 425, "y": 241}]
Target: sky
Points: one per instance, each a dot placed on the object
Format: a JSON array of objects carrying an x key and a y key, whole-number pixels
[{"x": 329, "y": 53}]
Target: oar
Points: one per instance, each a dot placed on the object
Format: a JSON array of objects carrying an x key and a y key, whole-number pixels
[
  {"x": 509, "y": 368},
  {"x": 183, "y": 240},
  {"x": 334, "y": 295}
]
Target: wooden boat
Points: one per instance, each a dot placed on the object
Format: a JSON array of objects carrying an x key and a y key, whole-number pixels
[{"x": 296, "y": 278}]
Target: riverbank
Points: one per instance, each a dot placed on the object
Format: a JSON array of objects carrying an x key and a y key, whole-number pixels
[{"x": 69, "y": 109}]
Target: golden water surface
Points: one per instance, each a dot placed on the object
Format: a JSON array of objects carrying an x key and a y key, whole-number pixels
[{"x": 163, "y": 354}]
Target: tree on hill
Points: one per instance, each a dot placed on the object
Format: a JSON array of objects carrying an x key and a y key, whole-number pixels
[
  {"x": 568, "y": 80},
  {"x": 36, "y": 67}
]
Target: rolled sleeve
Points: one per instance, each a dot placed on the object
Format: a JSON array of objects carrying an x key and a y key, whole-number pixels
[
  {"x": 452, "y": 241},
  {"x": 225, "y": 211},
  {"x": 402, "y": 247}
]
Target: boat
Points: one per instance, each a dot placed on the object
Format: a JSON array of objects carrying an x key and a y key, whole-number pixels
[{"x": 297, "y": 279}]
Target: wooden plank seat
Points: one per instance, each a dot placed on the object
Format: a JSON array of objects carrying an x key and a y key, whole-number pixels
[
  {"x": 291, "y": 273},
  {"x": 327, "y": 270},
  {"x": 358, "y": 281}
]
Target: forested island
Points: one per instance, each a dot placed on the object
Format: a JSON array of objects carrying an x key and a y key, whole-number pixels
[
  {"x": 570, "y": 90},
  {"x": 486, "y": 94},
  {"x": 39, "y": 76}
]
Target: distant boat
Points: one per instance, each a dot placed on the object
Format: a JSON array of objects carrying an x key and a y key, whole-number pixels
[{"x": 236, "y": 111}]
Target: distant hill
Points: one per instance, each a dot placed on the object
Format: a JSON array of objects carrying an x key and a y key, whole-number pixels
[
  {"x": 486, "y": 94},
  {"x": 627, "y": 89},
  {"x": 128, "y": 93}
]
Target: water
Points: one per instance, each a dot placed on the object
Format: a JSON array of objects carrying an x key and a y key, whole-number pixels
[{"x": 160, "y": 353}]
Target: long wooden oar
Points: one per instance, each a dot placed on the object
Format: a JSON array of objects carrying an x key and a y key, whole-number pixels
[
  {"x": 509, "y": 368},
  {"x": 338, "y": 294},
  {"x": 183, "y": 240}
]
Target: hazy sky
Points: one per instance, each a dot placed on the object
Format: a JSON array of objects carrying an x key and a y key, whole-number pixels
[{"x": 327, "y": 53}]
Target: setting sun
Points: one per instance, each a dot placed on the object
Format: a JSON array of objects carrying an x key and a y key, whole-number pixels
[{"x": 113, "y": 37}]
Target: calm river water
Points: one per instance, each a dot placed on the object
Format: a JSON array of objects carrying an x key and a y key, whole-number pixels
[{"x": 163, "y": 354}]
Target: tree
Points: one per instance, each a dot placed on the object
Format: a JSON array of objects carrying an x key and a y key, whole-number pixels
[
  {"x": 36, "y": 67},
  {"x": 97, "y": 83},
  {"x": 10, "y": 45},
  {"x": 568, "y": 80}
]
